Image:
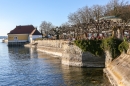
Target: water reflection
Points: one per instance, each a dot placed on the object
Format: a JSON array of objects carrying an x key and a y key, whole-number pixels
[
  {"x": 26, "y": 67},
  {"x": 22, "y": 52},
  {"x": 33, "y": 52},
  {"x": 17, "y": 53},
  {"x": 74, "y": 76}
]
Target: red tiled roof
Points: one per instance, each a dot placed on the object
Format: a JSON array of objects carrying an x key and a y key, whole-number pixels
[{"x": 27, "y": 29}]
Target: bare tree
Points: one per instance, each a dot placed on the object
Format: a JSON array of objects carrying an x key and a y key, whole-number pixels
[
  {"x": 98, "y": 11},
  {"x": 74, "y": 18},
  {"x": 125, "y": 13},
  {"x": 118, "y": 8},
  {"x": 66, "y": 24},
  {"x": 45, "y": 27},
  {"x": 85, "y": 14},
  {"x": 64, "y": 27},
  {"x": 82, "y": 16}
]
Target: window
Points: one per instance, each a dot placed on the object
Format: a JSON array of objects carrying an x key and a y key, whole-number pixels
[{"x": 15, "y": 38}]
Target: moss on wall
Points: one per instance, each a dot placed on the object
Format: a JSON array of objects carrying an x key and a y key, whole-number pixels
[
  {"x": 123, "y": 47},
  {"x": 92, "y": 46},
  {"x": 97, "y": 47},
  {"x": 111, "y": 44}
]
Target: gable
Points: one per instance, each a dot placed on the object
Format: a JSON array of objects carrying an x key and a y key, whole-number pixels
[{"x": 36, "y": 32}]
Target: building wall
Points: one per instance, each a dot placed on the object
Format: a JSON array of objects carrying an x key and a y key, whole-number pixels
[
  {"x": 33, "y": 37},
  {"x": 36, "y": 36},
  {"x": 20, "y": 37},
  {"x": 113, "y": 18}
]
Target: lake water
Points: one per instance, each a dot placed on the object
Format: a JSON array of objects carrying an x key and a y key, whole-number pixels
[{"x": 20, "y": 66}]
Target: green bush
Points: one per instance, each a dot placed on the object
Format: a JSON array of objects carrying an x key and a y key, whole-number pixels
[
  {"x": 111, "y": 44},
  {"x": 123, "y": 47},
  {"x": 97, "y": 47},
  {"x": 92, "y": 46}
]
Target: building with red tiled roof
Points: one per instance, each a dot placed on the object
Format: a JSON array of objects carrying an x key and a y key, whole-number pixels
[{"x": 25, "y": 33}]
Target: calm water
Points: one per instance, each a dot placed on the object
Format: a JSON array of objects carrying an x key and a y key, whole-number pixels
[{"x": 21, "y": 66}]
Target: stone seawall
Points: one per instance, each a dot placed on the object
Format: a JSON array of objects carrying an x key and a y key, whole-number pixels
[
  {"x": 118, "y": 70},
  {"x": 51, "y": 43},
  {"x": 50, "y": 50},
  {"x": 70, "y": 54},
  {"x": 74, "y": 56}
]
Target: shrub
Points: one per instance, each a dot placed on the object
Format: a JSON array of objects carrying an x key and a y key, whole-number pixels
[
  {"x": 92, "y": 46},
  {"x": 123, "y": 47},
  {"x": 111, "y": 44},
  {"x": 97, "y": 47}
]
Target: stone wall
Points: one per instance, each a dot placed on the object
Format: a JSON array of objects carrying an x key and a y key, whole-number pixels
[
  {"x": 50, "y": 43},
  {"x": 128, "y": 51},
  {"x": 70, "y": 54},
  {"x": 74, "y": 56},
  {"x": 118, "y": 70}
]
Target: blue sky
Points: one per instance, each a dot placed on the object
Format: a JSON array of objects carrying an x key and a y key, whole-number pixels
[{"x": 26, "y": 12}]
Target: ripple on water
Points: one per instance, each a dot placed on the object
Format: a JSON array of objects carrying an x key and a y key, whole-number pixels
[{"x": 21, "y": 66}]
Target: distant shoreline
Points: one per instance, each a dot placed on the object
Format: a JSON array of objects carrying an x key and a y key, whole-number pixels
[{"x": 3, "y": 37}]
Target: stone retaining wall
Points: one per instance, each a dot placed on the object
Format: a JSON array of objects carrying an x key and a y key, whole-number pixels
[
  {"x": 118, "y": 70},
  {"x": 70, "y": 54},
  {"x": 50, "y": 50},
  {"x": 74, "y": 56},
  {"x": 50, "y": 43}
]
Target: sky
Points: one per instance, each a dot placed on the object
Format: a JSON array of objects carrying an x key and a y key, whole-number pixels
[{"x": 33, "y": 12}]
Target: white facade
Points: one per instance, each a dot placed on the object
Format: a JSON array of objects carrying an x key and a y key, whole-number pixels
[
  {"x": 36, "y": 36},
  {"x": 33, "y": 37}
]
